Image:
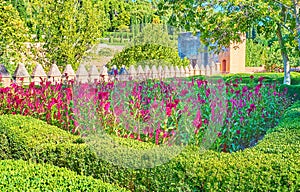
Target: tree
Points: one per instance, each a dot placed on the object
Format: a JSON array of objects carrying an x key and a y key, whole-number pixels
[
  {"x": 222, "y": 22},
  {"x": 67, "y": 28},
  {"x": 13, "y": 35},
  {"x": 154, "y": 34}
]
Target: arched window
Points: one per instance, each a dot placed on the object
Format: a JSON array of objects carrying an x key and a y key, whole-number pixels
[{"x": 224, "y": 66}]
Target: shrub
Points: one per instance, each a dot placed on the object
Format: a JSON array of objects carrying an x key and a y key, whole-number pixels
[
  {"x": 22, "y": 176},
  {"x": 272, "y": 165},
  {"x": 293, "y": 90},
  {"x": 268, "y": 77},
  {"x": 147, "y": 54}
]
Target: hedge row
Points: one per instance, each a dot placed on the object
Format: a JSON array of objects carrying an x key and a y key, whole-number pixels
[
  {"x": 272, "y": 165},
  {"x": 18, "y": 175},
  {"x": 268, "y": 77}
]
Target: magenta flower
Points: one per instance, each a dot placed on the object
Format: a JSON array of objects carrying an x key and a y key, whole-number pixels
[
  {"x": 168, "y": 111},
  {"x": 183, "y": 92},
  {"x": 198, "y": 120}
]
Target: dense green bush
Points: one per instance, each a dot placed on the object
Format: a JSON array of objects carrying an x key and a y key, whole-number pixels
[
  {"x": 261, "y": 52},
  {"x": 23, "y": 176},
  {"x": 148, "y": 54},
  {"x": 268, "y": 77},
  {"x": 293, "y": 90},
  {"x": 272, "y": 165}
]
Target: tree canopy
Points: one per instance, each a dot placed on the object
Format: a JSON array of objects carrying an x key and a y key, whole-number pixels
[
  {"x": 66, "y": 29},
  {"x": 13, "y": 34},
  {"x": 222, "y": 22}
]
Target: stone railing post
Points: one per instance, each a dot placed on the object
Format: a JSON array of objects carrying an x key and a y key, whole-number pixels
[
  {"x": 68, "y": 74},
  {"x": 82, "y": 74},
  {"x": 21, "y": 76},
  {"x": 202, "y": 70},
  {"x": 207, "y": 70},
  {"x": 38, "y": 75},
  {"x": 5, "y": 77},
  {"x": 177, "y": 72},
  {"x": 166, "y": 72},
  {"x": 94, "y": 74},
  {"x": 54, "y": 75},
  {"x": 155, "y": 74},
  {"x": 132, "y": 72},
  {"x": 104, "y": 74},
  {"x": 140, "y": 73},
  {"x": 148, "y": 72},
  {"x": 182, "y": 71},
  {"x": 197, "y": 70},
  {"x": 218, "y": 66},
  {"x": 172, "y": 71},
  {"x": 161, "y": 73},
  {"x": 187, "y": 71},
  {"x": 192, "y": 71}
]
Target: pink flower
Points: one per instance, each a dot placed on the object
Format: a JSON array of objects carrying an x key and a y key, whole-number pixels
[
  {"x": 169, "y": 111},
  {"x": 261, "y": 79},
  {"x": 198, "y": 120},
  {"x": 158, "y": 131},
  {"x": 106, "y": 107},
  {"x": 238, "y": 131},
  {"x": 183, "y": 92},
  {"x": 241, "y": 119},
  {"x": 219, "y": 134}
]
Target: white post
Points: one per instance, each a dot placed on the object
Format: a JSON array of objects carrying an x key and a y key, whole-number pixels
[
  {"x": 132, "y": 72},
  {"x": 140, "y": 73},
  {"x": 68, "y": 73},
  {"x": 54, "y": 74},
  {"x": 38, "y": 75},
  {"x": 82, "y": 74},
  {"x": 104, "y": 74}
]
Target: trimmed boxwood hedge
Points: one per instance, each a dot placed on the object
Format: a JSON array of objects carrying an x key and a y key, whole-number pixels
[
  {"x": 18, "y": 175},
  {"x": 268, "y": 77},
  {"x": 272, "y": 165}
]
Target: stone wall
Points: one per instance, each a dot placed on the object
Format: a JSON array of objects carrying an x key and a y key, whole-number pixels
[{"x": 21, "y": 76}]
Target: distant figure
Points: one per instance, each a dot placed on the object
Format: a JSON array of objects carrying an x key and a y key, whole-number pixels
[
  {"x": 123, "y": 71},
  {"x": 113, "y": 71}
]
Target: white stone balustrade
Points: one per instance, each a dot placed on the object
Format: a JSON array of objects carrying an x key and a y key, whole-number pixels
[{"x": 21, "y": 76}]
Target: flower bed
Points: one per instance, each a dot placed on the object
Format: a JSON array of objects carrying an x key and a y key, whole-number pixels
[
  {"x": 275, "y": 160},
  {"x": 179, "y": 112}
]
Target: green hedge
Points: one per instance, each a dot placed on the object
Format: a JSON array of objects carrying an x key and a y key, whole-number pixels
[
  {"x": 272, "y": 165},
  {"x": 269, "y": 77},
  {"x": 18, "y": 175},
  {"x": 147, "y": 54},
  {"x": 293, "y": 90}
]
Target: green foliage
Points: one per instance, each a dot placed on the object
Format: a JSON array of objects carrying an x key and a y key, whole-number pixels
[
  {"x": 154, "y": 34},
  {"x": 148, "y": 54},
  {"x": 124, "y": 14},
  {"x": 67, "y": 29},
  {"x": 272, "y": 165},
  {"x": 13, "y": 35},
  {"x": 293, "y": 90},
  {"x": 258, "y": 55},
  {"x": 22, "y": 176},
  {"x": 268, "y": 77},
  {"x": 223, "y": 22},
  {"x": 260, "y": 52}
]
